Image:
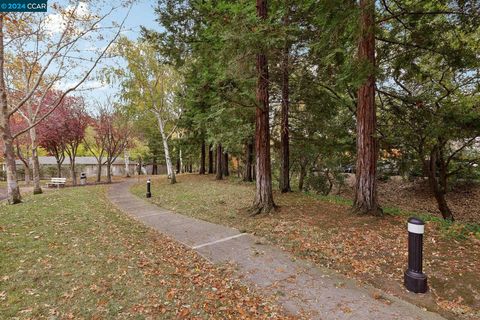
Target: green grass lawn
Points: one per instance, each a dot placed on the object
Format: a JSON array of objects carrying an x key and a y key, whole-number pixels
[
  {"x": 69, "y": 254},
  {"x": 322, "y": 230}
]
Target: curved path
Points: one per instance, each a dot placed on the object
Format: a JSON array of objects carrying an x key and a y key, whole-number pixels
[{"x": 301, "y": 287}]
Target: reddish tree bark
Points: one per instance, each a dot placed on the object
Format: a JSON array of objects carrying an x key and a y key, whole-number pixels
[
  {"x": 367, "y": 145},
  {"x": 263, "y": 196},
  {"x": 219, "y": 175},
  {"x": 202, "y": 158}
]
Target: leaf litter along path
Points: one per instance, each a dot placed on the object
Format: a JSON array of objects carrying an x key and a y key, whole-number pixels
[
  {"x": 369, "y": 249},
  {"x": 301, "y": 287}
]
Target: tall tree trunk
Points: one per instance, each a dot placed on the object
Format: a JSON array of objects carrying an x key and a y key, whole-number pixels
[
  {"x": 109, "y": 171},
  {"x": 210, "y": 159},
  {"x": 72, "y": 171},
  {"x": 127, "y": 163},
  {"x": 181, "y": 161},
  {"x": 284, "y": 130},
  {"x": 139, "y": 168},
  {"x": 215, "y": 164},
  {"x": 202, "y": 159},
  {"x": 248, "y": 162},
  {"x": 59, "y": 157},
  {"x": 263, "y": 196},
  {"x": 26, "y": 163},
  {"x": 37, "y": 189},
  {"x": 178, "y": 165},
  {"x": 99, "y": 170},
  {"x": 367, "y": 145},
  {"x": 438, "y": 185},
  {"x": 27, "y": 175},
  {"x": 154, "y": 166},
  {"x": 219, "y": 175},
  {"x": 168, "y": 160},
  {"x": 226, "y": 173},
  {"x": 13, "y": 191}
]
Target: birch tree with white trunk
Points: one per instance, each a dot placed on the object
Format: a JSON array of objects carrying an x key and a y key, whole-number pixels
[{"x": 150, "y": 86}]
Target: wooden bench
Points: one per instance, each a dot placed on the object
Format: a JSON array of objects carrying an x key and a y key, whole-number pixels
[{"x": 57, "y": 182}]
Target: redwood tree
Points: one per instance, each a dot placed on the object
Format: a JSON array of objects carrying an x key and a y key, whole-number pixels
[
  {"x": 367, "y": 145},
  {"x": 263, "y": 196}
]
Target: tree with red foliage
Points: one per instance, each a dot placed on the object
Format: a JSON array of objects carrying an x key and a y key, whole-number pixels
[
  {"x": 116, "y": 130},
  {"x": 53, "y": 133},
  {"x": 37, "y": 107},
  {"x": 74, "y": 123},
  {"x": 62, "y": 132}
]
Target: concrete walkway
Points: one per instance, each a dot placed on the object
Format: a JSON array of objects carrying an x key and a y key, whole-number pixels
[{"x": 300, "y": 286}]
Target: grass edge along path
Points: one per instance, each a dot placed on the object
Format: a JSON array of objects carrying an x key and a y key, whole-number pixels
[
  {"x": 362, "y": 247},
  {"x": 69, "y": 254}
]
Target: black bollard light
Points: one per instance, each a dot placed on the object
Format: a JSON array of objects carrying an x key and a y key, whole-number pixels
[
  {"x": 149, "y": 194},
  {"x": 414, "y": 279}
]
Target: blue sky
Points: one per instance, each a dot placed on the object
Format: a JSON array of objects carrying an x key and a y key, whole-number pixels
[{"x": 141, "y": 14}]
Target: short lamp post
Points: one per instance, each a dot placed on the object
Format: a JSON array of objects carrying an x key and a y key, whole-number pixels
[
  {"x": 414, "y": 279},
  {"x": 149, "y": 193}
]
